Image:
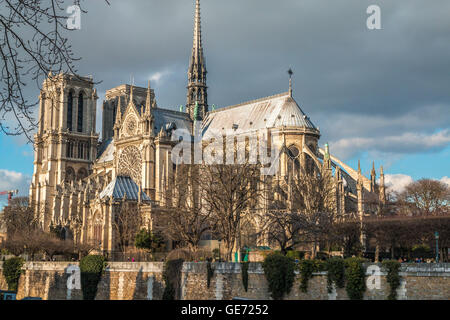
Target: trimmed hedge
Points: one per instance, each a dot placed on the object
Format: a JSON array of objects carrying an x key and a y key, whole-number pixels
[
  {"x": 91, "y": 268},
  {"x": 280, "y": 275},
  {"x": 355, "y": 275},
  {"x": 393, "y": 277},
  {"x": 12, "y": 269},
  {"x": 336, "y": 273}
]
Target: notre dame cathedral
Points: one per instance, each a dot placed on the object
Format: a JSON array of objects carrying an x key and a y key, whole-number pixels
[{"x": 79, "y": 180}]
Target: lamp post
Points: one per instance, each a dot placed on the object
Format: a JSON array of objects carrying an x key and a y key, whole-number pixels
[{"x": 436, "y": 236}]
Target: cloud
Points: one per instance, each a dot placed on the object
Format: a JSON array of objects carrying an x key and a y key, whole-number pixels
[
  {"x": 383, "y": 91},
  {"x": 11, "y": 180},
  {"x": 397, "y": 182},
  {"x": 446, "y": 180},
  {"x": 157, "y": 76},
  {"x": 408, "y": 142}
]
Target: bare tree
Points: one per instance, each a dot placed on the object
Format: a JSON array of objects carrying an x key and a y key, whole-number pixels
[
  {"x": 283, "y": 228},
  {"x": 19, "y": 218},
  {"x": 346, "y": 234},
  {"x": 229, "y": 193},
  {"x": 314, "y": 195},
  {"x": 33, "y": 43},
  {"x": 188, "y": 221},
  {"x": 425, "y": 197},
  {"x": 126, "y": 224}
]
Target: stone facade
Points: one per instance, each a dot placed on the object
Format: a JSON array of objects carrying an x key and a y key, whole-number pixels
[{"x": 143, "y": 281}]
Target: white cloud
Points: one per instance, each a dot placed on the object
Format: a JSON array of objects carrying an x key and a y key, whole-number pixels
[
  {"x": 397, "y": 182},
  {"x": 446, "y": 180},
  {"x": 157, "y": 76},
  {"x": 408, "y": 142},
  {"x": 12, "y": 180}
]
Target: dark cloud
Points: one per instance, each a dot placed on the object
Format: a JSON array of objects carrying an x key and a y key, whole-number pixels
[{"x": 390, "y": 84}]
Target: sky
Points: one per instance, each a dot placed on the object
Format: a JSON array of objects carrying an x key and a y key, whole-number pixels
[{"x": 376, "y": 95}]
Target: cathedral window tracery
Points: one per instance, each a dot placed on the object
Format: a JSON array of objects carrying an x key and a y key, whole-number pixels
[
  {"x": 80, "y": 113},
  {"x": 69, "y": 111},
  {"x": 130, "y": 163},
  {"x": 70, "y": 175}
]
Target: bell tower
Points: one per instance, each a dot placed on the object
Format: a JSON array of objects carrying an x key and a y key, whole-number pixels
[{"x": 66, "y": 142}]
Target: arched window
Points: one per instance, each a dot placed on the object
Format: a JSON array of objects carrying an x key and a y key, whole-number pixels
[
  {"x": 82, "y": 173},
  {"x": 69, "y": 110},
  {"x": 97, "y": 229},
  {"x": 70, "y": 174},
  {"x": 80, "y": 112}
]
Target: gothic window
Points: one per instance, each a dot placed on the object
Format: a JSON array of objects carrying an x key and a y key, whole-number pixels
[
  {"x": 80, "y": 113},
  {"x": 293, "y": 152},
  {"x": 69, "y": 149},
  {"x": 114, "y": 110},
  {"x": 293, "y": 161},
  {"x": 97, "y": 228},
  {"x": 80, "y": 150},
  {"x": 88, "y": 152},
  {"x": 69, "y": 110},
  {"x": 82, "y": 173},
  {"x": 130, "y": 163},
  {"x": 70, "y": 174},
  {"x": 131, "y": 126}
]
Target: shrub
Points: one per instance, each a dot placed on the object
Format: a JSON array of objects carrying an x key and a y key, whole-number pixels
[
  {"x": 422, "y": 251},
  {"x": 149, "y": 241},
  {"x": 244, "y": 270},
  {"x": 355, "y": 276},
  {"x": 336, "y": 273},
  {"x": 393, "y": 277},
  {"x": 280, "y": 275},
  {"x": 171, "y": 277},
  {"x": 307, "y": 268},
  {"x": 91, "y": 268},
  {"x": 12, "y": 269},
  {"x": 295, "y": 254}
]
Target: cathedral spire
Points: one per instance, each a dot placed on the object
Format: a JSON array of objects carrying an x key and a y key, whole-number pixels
[
  {"x": 131, "y": 92},
  {"x": 118, "y": 114},
  {"x": 197, "y": 89},
  {"x": 148, "y": 102}
]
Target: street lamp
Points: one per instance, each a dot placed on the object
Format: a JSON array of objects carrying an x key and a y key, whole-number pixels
[{"x": 436, "y": 236}]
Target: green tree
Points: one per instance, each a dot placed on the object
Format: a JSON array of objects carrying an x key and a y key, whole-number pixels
[
  {"x": 280, "y": 275},
  {"x": 149, "y": 241},
  {"x": 12, "y": 269},
  {"x": 91, "y": 268}
]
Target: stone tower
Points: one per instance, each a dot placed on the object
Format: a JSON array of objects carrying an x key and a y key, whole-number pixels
[
  {"x": 66, "y": 143},
  {"x": 197, "y": 91}
]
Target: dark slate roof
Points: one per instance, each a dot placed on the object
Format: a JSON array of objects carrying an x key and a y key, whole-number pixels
[
  {"x": 164, "y": 117},
  {"x": 103, "y": 147},
  {"x": 120, "y": 186}
]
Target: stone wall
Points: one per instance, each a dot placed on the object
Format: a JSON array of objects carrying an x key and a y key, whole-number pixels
[{"x": 141, "y": 281}]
